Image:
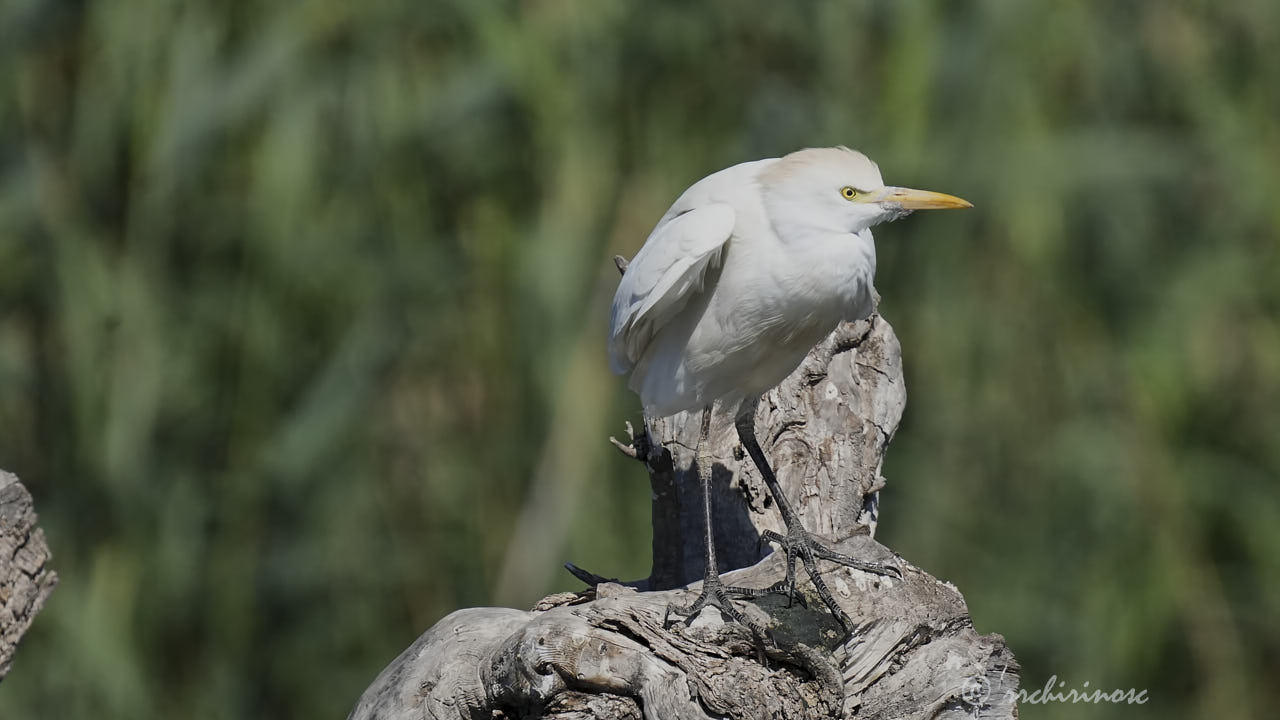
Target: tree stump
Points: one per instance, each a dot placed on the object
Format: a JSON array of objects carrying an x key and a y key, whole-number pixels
[
  {"x": 25, "y": 576},
  {"x": 606, "y": 652}
]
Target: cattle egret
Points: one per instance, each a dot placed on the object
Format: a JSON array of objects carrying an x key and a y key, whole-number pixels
[{"x": 749, "y": 269}]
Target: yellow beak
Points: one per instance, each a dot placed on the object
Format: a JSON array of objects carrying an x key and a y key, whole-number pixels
[{"x": 918, "y": 199}]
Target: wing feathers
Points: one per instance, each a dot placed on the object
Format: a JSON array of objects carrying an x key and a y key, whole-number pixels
[{"x": 668, "y": 270}]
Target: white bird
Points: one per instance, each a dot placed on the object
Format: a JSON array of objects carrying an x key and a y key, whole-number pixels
[{"x": 749, "y": 269}]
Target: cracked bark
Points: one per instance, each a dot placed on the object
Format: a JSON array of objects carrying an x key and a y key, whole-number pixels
[
  {"x": 26, "y": 578},
  {"x": 604, "y": 652}
]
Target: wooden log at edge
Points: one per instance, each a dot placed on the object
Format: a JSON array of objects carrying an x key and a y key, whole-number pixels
[
  {"x": 26, "y": 577},
  {"x": 607, "y": 653}
]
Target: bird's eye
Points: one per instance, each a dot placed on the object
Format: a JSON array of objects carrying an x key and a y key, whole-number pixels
[{"x": 848, "y": 193}]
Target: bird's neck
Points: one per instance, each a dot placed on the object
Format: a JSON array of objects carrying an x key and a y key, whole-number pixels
[
  {"x": 816, "y": 247},
  {"x": 835, "y": 269}
]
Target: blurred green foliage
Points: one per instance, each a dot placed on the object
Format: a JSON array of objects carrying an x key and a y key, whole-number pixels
[{"x": 302, "y": 308}]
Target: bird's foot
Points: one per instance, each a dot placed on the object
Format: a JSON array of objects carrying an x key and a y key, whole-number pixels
[
  {"x": 800, "y": 543},
  {"x": 720, "y": 596}
]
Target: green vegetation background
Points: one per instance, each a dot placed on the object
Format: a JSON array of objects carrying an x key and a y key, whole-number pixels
[{"x": 302, "y": 309}]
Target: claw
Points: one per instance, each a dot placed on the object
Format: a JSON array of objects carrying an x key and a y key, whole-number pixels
[
  {"x": 716, "y": 594},
  {"x": 886, "y": 569},
  {"x": 802, "y": 544},
  {"x": 587, "y": 576}
]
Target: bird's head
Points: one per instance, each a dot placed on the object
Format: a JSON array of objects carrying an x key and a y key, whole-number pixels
[{"x": 840, "y": 190}]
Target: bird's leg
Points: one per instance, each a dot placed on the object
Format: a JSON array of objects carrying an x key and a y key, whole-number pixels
[
  {"x": 714, "y": 592},
  {"x": 799, "y": 542}
]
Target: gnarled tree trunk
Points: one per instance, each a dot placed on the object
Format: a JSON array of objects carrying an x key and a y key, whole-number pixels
[{"x": 607, "y": 653}]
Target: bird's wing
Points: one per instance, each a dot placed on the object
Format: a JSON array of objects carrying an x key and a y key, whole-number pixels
[{"x": 668, "y": 270}]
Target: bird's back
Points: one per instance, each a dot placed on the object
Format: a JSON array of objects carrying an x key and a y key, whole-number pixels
[{"x": 672, "y": 265}]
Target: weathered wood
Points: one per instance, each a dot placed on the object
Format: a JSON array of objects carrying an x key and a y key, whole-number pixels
[
  {"x": 26, "y": 578},
  {"x": 606, "y": 653}
]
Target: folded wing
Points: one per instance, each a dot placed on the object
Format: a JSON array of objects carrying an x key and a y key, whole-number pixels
[{"x": 668, "y": 270}]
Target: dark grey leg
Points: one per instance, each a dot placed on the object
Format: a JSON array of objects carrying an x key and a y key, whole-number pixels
[
  {"x": 798, "y": 541},
  {"x": 714, "y": 592}
]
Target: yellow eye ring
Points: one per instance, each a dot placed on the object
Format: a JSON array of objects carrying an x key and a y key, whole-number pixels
[{"x": 848, "y": 193}]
